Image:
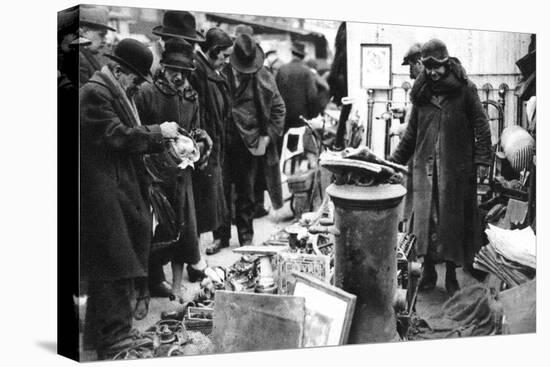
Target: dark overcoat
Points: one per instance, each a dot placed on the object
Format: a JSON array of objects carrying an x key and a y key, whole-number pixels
[
  {"x": 296, "y": 83},
  {"x": 156, "y": 104},
  {"x": 88, "y": 64},
  {"x": 448, "y": 138},
  {"x": 115, "y": 227},
  {"x": 271, "y": 110},
  {"x": 215, "y": 112}
]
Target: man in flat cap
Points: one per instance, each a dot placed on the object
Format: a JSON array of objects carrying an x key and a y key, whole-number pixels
[
  {"x": 94, "y": 24},
  {"x": 449, "y": 141},
  {"x": 115, "y": 219}
]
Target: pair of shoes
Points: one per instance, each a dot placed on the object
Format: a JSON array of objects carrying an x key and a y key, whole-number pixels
[
  {"x": 162, "y": 289},
  {"x": 451, "y": 283},
  {"x": 216, "y": 246},
  {"x": 428, "y": 279},
  {"x": 260, "y": 212}
]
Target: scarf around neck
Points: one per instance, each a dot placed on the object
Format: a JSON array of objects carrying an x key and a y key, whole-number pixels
[
  {"x": 128, "y": 103},
  {"x": 450, "y": 84}
]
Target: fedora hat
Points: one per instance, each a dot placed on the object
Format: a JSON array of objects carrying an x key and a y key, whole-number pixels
[
  {"x": 434, "y": 51},
  {"x": 247, "y": 57},
  {"x": 135, "y": 56},
  {"x": 95, "y": 17},
  {"x": 179, "y": 24},
  {"x": 298, "y": 48},
  {"x": 413, "y": 52},
  {"x": 243, "y": 29},
  {"x": 178, "y": 54}
]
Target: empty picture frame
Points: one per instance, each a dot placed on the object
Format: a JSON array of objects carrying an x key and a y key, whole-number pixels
[
  {"x": 376, "y": 70},
  {"x": 329, "y": 311}
]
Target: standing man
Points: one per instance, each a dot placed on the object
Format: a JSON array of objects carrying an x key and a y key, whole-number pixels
[
  {"x": 272, "y": 62},
  {"x": 297, "y": 85},
  {"x": 171, "y": 98},
  {"x": 449, "y": 140},
  {"x": 94, "y": 24},
  {"x": 215, "y": 113},
  {"x": 115, "y": 230},
  {"x": 257, "y": 123},
  {"x": 175, "y": 24}
]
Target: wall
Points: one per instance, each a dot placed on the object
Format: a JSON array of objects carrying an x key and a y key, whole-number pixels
[{"x": 488, "y": 57}]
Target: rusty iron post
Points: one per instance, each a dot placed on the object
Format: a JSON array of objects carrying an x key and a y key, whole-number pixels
[{"x": 365, "y": 256}]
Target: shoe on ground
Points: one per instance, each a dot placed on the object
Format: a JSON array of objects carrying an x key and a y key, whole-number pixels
[
  {"x": 428, "y": 279},
  {"x": 451, "y": 283},
  {"x": 260, "y": 212},
  {"x": 216, "y": 246},
  {"x": 162, "y": 289}
]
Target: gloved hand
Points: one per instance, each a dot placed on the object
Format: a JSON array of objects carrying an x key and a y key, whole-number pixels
[{"x": 205, "y": 144}]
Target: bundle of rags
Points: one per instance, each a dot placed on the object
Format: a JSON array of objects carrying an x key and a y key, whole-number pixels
[{"x": 473, "y": 311}]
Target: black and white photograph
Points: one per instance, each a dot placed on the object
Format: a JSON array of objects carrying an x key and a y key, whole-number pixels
[{"x": 233, "y": 181}]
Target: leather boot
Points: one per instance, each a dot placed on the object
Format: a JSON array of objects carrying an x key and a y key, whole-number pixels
[
  {"x": 428, "y": 278},
  {"x": 216, "y": 246},
  {"x": 451, "y": 283}
]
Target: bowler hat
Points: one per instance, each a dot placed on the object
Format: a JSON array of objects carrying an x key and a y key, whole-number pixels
[
  {"x": 135, "y": 56},
  {"x": 247, "y": 57},
  {"x": 179, "y": 24},
  {"x": 434, "y": 51},
  {"x": 95, "y": 17},
  {"x": 178, "y": 54},
  {"x": 298, "y": 48},
  {"x": 413, "y": 52}
]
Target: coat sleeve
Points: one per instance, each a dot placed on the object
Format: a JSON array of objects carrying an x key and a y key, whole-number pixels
[
  {"x": 276, "y": 114},
  {"x": 312, "y": 95},
  {"x": 478, "y": 119},
  {"x": 103, "y": 127},
  {"x": 407, "y": 144}
]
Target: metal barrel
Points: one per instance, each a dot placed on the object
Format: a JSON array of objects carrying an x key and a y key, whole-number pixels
[{"x": 365, "y": 256}]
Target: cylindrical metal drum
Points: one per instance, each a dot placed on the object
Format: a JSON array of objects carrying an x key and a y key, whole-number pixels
[{"x": 365, "y": 256}]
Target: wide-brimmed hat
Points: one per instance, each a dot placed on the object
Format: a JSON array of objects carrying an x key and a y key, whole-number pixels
[
  {"x": 178, "y": 54},
  {"x": 179, "y": 24},
  {"x": 135, "y": 56},
  {"x": 413, "y": 52},
  {"x": 434, "y": 51},
  {"x": 243, "y": 29},
  {"x": 298, "y": 48},
  {"x": 95, "y": 17},
  {"x": 247, "y": 57}
]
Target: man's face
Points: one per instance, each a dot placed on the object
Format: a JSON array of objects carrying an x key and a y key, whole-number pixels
[
  {"x": 415, "y": 68},
  {"x": 96, "y": 37},
  {"x": 434, "y": 71},
  {"x": 222, "y": 58},
  {"x": 129, "y": 82},
  {"x": 176, "y": 77}
]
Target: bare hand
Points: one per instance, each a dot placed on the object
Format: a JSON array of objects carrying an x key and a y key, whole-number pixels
[
  {"x": 169, "y": 129},
  {"x": 482, "y": 173}
]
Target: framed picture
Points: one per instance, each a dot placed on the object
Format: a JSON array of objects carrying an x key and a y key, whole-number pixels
[
  {"x": 329, "y": 311},
  {"x": 376, "y": 70}
]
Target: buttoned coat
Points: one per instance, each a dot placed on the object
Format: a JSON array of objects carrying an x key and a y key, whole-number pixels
[{"x": 447, "y": 138}]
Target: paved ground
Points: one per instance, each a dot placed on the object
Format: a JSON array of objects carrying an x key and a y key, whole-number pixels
[{"x": 428, "y": 302}]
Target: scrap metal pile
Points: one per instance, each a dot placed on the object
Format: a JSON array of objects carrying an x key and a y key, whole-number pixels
[{"x": 510, "y": 255}]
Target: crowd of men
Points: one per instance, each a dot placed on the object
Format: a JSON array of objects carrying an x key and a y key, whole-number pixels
[{"x": 140, "y": 211}]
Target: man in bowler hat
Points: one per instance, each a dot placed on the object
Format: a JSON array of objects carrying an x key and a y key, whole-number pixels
[
  {"x": 115, "y": 227},
  {"x": 256, "y": 123}
]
